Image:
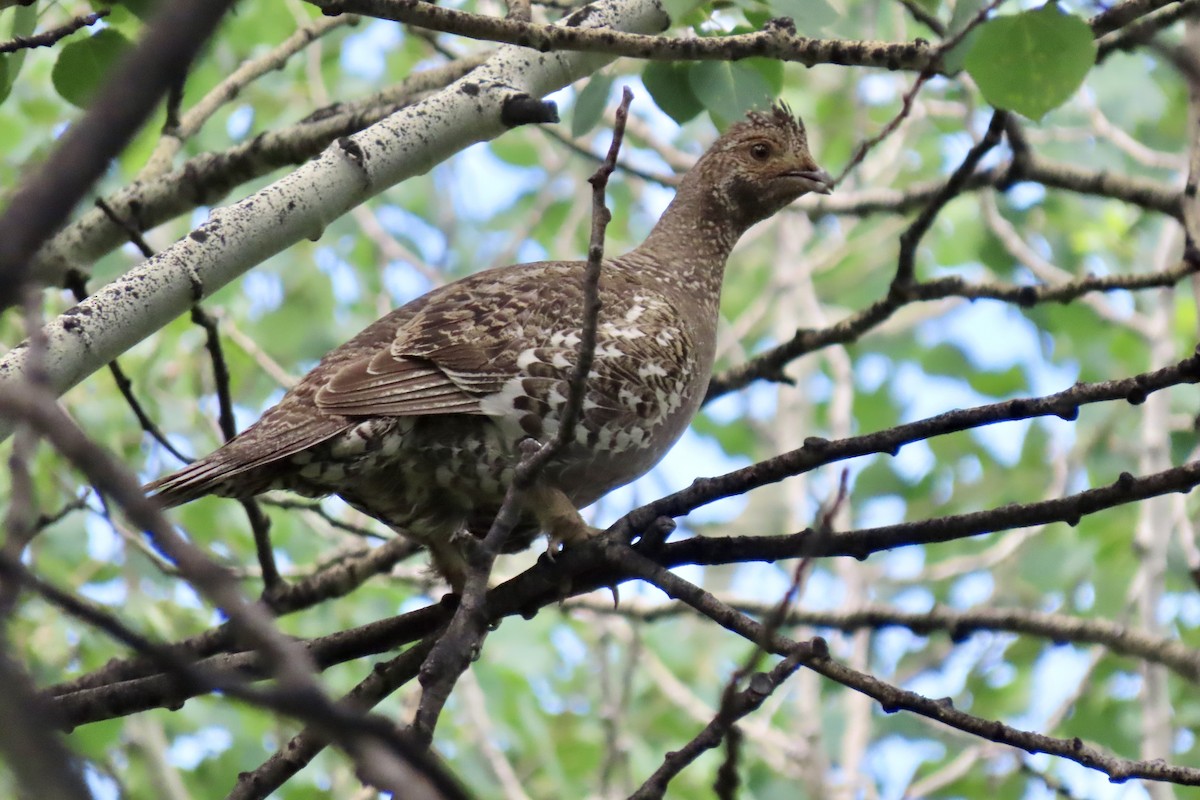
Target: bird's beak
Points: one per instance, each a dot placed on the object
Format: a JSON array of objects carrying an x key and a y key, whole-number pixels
[{"x": 815, "y": 180}]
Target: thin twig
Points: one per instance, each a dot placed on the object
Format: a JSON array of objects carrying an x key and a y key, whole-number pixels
[
  {"x": 465, "y": 633},
  {"x": 190, "y": 123},
  {"x": 769, "y": 364},
  {"x": 315, "y": 507},
  {"x": 260, "y": 524},
  {"x": 927, "y": 19},
  {"x": 53, "y": 36},
  {"x": 906, "y": 264},
  {"x": 906, "y": 104},
  {"x": 383, "y": 760},
  {"x": 77, "y": 286},
  {"x": 734, "y": 707},
  {"x": 577, "y": 148}
]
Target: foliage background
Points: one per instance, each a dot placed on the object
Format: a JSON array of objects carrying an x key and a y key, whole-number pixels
[{"x": 584, "y": 700}]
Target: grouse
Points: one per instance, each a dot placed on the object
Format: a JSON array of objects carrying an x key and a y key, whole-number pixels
[{"x": 418, "y": 420}]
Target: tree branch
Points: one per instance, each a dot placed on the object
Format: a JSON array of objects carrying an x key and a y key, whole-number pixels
[
  {"x": 53, "y": 36},
  {"x": 161, "y": 60},
  {"x": 206, "y": 178},
  {"x": 770, "y": 364},
  {"x": 957, "y": 625},
  {"x": 464, "y": 636},
  {"x": 237, "y": 237},
  {"x": 815, "y": 656}
]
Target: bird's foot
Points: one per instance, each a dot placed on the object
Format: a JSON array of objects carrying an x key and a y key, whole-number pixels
[
  {"x": 569, "y": 533},
  {"x": 559, "y": 518}
]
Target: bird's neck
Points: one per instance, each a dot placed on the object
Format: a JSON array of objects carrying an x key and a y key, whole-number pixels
[{"x": 690, "y": 244}]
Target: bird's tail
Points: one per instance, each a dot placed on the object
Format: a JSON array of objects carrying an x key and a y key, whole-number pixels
[
  {"x": 203, "y": 477},
  {"x": 248, "y": 464}
]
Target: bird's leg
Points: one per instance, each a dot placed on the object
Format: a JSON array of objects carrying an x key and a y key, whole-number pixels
[
  {"x": 558, "y": 517},
  {"x": 447, "y": 558}
]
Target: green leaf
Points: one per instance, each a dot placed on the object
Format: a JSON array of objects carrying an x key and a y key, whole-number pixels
[
  {"x": 123, "y": 20},
  {"x": 772, "y": 72},
  {"x": 964, "y": 12},
  {"x": 589, "y": 105},
  {"x": 143, "y": 9},
  {"x": 1031, "y": 62},
  {"x": 729, "y": 89},
  {"x": 516, "y": 150},
  {"x": 667, "y": 82},
  {"x": 82, "y": 65},
  {"x": 1005, "y": 383},
  {"x": 24, "y": 22}
]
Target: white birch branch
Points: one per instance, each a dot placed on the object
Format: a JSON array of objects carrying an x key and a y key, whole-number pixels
[{"x": 302, "y": 203}]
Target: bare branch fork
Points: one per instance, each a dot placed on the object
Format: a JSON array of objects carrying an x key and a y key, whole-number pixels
[
  {"x": 906, "y": 264},
  {"x": 260, "y": 524},
  {"x": 815, "y": 656},
  {"x": 134, "y": 685},
  {"x": 906, "y": 102},
  {"x": 734, "y": 706},
  {"x": 464, "y": 635},
  {"x": 543, "y": 583},
  {"x": 384, "y": 760}
]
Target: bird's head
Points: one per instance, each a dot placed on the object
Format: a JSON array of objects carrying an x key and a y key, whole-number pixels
[{"x": 759, "y": 166}]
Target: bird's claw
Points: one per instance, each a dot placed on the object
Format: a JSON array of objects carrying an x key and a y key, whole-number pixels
[{"x": 568, "y": 532}]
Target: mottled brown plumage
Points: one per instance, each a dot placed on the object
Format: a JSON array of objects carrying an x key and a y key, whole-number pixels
[{"x": 417, "y": 420}]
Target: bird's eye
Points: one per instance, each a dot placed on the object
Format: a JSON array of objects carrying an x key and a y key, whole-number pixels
[{"x": 761, "y": 151}]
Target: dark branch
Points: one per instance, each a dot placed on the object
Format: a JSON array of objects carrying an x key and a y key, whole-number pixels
[
  {"x": 452, "y": 654},
  {"x": 770, "y": 364},
  {"x": 957, "y": 625},
  {"x": 815, "y": 656},
  {"x": 774, "y": 41},
  {"x": 906, "y": 265},
  {"x": 735, "y": 706},
  {"x": 53, "y": 36}
]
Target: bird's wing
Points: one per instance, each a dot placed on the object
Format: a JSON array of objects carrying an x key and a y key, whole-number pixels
[
  {"x": 390, "y": 385},
  {"x": 462, "y": 345}
]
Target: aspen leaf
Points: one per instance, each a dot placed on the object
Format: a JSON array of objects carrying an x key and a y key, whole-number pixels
[
  {"x": 1031, "y": 62},
  {"x": 589, "y": 104},
  {"x": 83, "y": 65}
]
